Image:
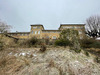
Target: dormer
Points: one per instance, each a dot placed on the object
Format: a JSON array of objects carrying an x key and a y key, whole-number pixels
[
  {"x": 71, "y": 26},
  {"x": 36, "y": 29}
]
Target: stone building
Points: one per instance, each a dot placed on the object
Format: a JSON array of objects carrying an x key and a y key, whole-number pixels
[{"x": 39, "y": 32}]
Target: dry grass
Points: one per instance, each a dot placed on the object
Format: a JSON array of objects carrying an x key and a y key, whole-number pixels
[
  {"x": 8, "y": 42},
  {"x": 55, "y": 61}
]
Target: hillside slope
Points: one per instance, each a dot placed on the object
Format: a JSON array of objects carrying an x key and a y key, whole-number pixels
[{"x": 54, "y": 61}]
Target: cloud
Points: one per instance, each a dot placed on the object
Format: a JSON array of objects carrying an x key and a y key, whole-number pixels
[{"x": 50, "y": 13}]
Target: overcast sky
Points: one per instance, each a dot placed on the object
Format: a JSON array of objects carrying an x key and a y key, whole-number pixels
[{"x": 51, "y": 13}]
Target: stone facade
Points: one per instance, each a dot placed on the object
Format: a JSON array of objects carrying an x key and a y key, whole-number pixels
[{"x": 39, "y": 32}]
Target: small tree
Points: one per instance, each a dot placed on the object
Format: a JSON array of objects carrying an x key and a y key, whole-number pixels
[
  {"x": 69, "y": 37},
  {"x": 4, "y": 28}
]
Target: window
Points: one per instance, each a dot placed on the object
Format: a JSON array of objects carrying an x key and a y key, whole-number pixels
[
  {"x": 54, "y": 32},
  {"x": 32, "y": 32},
  {"x": 21, "y": 34},
  {"x": 38, "y": 32},
  {"x": 69, "y": 27},
  {"x": 35, "y": 32},
  {"x": 34, "y": 27},
  {"x": 54, "y": 37},
  {"x": 38, "y": 27},
  {"x": 47, "y": 37},
  {"x": 81, "y": 27},
  {"x": 26, "y": 34},
  {"x": 80, "y": 32}
]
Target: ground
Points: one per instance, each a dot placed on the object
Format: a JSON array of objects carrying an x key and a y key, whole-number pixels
[{"x": 54, "y": 61}]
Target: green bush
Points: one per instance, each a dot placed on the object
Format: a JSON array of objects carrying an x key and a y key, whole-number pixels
[
  {"x": 86, "y": 53},
  {"x": 62, "y": 42},
  {"x": 77, "y": 51},
  {"x": 90, "y": 43},
  {"x": 86, "y": 43},
  {"x": 96, "y": 44}
]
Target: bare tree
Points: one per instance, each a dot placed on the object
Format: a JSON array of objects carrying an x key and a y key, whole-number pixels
[
  {"x": 4, "y": 28},
  {"x": 93, "y": 26}
]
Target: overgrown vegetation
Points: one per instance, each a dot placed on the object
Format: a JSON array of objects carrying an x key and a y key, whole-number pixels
[
  {"x": 97, "y": 59},
  {"x": 1, "y": 45},
  {"x": 43, "y": 48},
  {"x": 89, "y": 43},
  {"x": 28, "y": 42},
  {"x": 6, "y": 42},
  {"x": 86, "y": 53},
  {"x": 62, "y": 42},
  {"x": 69, "y": 37}
]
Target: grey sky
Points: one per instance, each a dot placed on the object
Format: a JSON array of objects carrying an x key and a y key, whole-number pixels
[{"x": 51, "y": 13}]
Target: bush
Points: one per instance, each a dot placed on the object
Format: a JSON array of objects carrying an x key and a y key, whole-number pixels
[
  {"x": 86, "y": 53},
  {"x": 1, "y": 46},
  {"x": 28, "y": 42},
  {"x": 86, "y": 43},
  {"x": 62, "y": 42},
  {"x": 96, "y": 44},
  {"x": 6, "y": 42},
  {"x": 43, "y": 48},
  {"x": 97, "y": 59},
  {"x": 89, "y": 43},
  {"x": 77, "y": 51}
]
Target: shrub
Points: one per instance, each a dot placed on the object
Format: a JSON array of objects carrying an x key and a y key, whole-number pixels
[
  {"x": 97, "y": 59},
  {"x": 28, "y": 42},
  {"x": 89, "y": 43},
  {"x": 7, "y": 42},
  {"x": 86, "y": 53},
  {"x": 86, "y": 43},
  {"x": 3, "y": 61},
  {"x": 96, "y": 44},
  {"x": 47, "y": 41},
  {"x": 32, "y": 41},
  {"x": 62, "y": 42},
  {"x": 51, "y": 63},
  {"x": 77, "y": 51},
  {"x": 43, "y": 48},
  {"x": 1, "y": 46}
]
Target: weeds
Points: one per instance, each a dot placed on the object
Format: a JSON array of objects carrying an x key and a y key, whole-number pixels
[
  {"x": 86, "y": 53},
  {"x": 97, "y": 59},
  {"x": 26, "y": 62},
  {"x": 3, "y": 62},
  {"x": 43, "y": 48},
  {"x": 51, "y": 63},
  {"x": 89, "y": 43},
  {"x": 62, "y": 42},
  {"x": 78, "y": 51}
]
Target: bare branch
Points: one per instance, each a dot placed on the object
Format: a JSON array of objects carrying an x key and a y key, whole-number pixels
[
  {"x": 4, "y": 27},
  {"x": 93, "y": 26}
]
